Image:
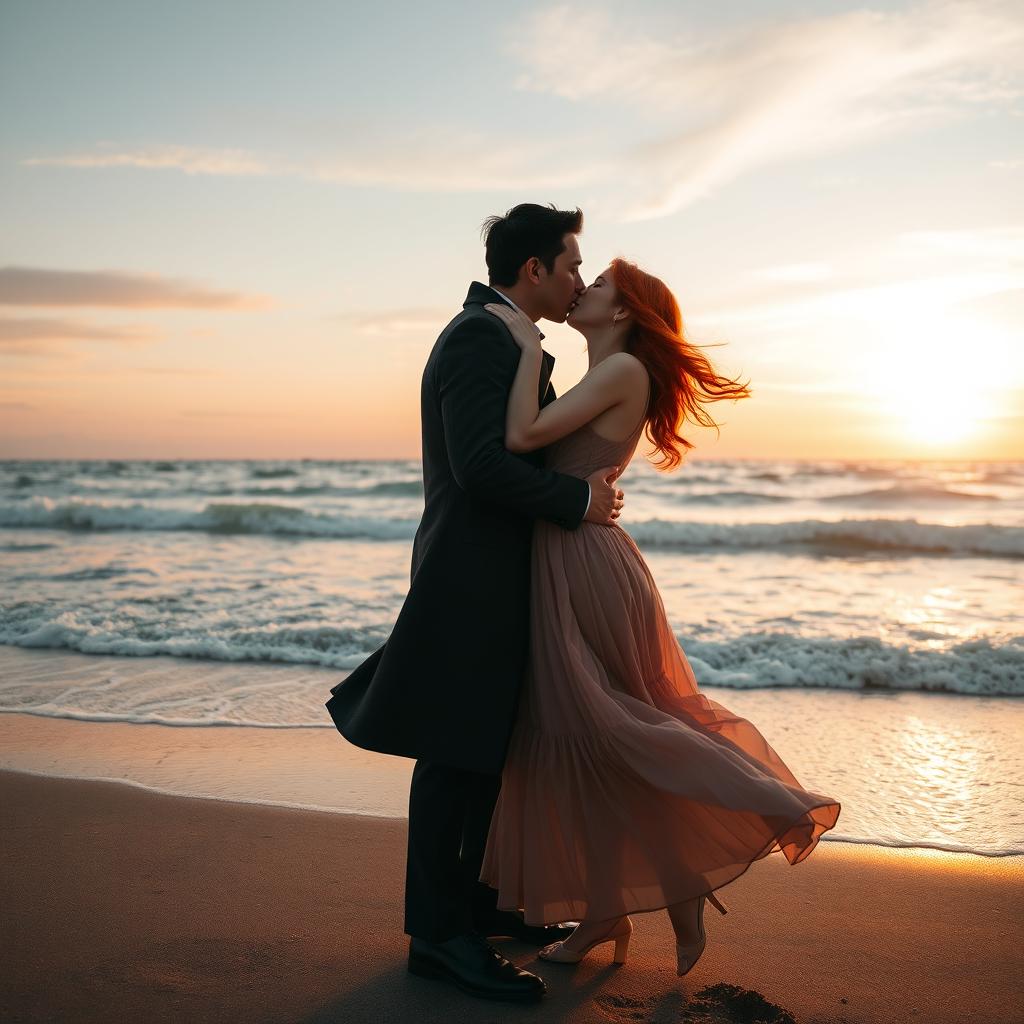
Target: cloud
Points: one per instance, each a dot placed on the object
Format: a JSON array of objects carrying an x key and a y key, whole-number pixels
[
  {"x": 726, "y": 103},
  {"x": 1003, "y": 307},
  {"x": 190, "y": 159},
  {"x": 913, "y": 273},
  {"x": 397, "y": 322},
  {"x": 45, "y": 337},
  {"x": 710, "y": 104},
  {"x": 176, "y": 371},
  {"x": 29, "y": 329},
  {"x": 907, "y": 298},
  {"x": 795, "y": 273},
  {"x": 31, "y": 286},
  {"x": 1005, "y": 242},
  {"x": 435, "y": 158},
  {"x": 443, "y": 159}
]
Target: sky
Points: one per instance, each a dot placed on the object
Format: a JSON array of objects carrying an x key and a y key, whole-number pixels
[{"x": 235, "y": 230}]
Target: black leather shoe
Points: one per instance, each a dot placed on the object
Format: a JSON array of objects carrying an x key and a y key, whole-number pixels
[
  {"x": 471, "y": 963},
  {"x": 510, "y": 924}
]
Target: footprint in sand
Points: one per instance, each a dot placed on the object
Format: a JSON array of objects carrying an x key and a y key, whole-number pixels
[{"x": 715, "y": 1004}]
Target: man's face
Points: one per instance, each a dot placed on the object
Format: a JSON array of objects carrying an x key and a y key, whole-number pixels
[{"x": 558, "y": 289}]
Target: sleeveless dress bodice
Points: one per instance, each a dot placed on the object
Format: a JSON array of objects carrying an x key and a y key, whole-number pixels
[{"x": 585, "y": 451}]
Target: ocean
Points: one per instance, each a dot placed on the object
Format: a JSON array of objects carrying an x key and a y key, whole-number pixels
[{"x": 882, "y": 600}]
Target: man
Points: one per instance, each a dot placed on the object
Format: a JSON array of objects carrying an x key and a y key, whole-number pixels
[{"x": 444, "y": 688}]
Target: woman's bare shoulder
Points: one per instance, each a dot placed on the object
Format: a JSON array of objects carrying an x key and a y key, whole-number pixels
[{"x": 625, "y": 364}]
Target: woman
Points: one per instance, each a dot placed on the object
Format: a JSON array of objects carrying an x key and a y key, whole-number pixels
[{"x": 625, "y": 789}]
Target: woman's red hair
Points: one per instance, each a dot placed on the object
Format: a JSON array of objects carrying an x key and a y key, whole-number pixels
[{"x": 682, "y": 378}]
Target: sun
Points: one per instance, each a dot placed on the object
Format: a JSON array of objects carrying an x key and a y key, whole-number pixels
[
  {"x": 944, "y": 407},
  {"x": 939, "y": 378}
]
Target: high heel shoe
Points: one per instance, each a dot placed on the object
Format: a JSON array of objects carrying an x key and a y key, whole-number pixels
[
  {"x": 620, "y": 934},
  {"x": 687, "y": 954}
]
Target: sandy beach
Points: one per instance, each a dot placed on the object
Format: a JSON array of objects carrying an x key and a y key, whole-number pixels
[{"x": 125, "y": 904}]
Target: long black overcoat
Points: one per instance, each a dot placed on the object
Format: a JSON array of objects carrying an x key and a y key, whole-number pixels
[{"x": 445, "y": 685}]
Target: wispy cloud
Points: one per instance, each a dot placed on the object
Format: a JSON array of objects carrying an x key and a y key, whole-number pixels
[
  {"x": 46, "y": 337},
  {"x": 435, "y": 159},
  {"x": 911, "y": 274},
  {"x": 1004, "y": 307},
  {"x": 32, "y": 286},
  {"x": 176, "y": 371},
  {"x": 190, "y": 159},
  {"x": 711, "y": 105},
  {"x": 776, "y": 91},
  {"x": 1005, "y": 242},
  {"x": 30, "y": 329},
  {"x": 795, "y": 273},
  {"x": 451, "y": 159},
  {"x": 994, "y": 254},
  {"x": 396, "y": 323}
]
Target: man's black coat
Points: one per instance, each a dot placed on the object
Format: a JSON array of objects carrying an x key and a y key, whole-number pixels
[{"x": 445, "y": 685}]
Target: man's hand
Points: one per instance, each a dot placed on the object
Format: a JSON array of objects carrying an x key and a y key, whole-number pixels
[{"x": 606, "y": 500}]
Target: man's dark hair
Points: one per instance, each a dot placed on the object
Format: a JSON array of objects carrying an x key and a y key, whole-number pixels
[{"x": 527, "y": 230}]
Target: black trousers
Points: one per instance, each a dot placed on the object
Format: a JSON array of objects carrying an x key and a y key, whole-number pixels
[{"x": 449, "y": 816}]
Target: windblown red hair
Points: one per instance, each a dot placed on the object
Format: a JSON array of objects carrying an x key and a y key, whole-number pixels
[{"x": 682, "y": 378}]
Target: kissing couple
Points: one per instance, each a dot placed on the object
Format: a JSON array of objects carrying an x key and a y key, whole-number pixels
[{"x": 569, "y": 772}]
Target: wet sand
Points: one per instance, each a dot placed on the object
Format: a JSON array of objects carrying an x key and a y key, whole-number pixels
[{"x": 125, "y": 904}]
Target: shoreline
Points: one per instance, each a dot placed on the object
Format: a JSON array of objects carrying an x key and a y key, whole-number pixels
[
  {"x": 828, "y": 837},
  {"x": 128, "y": 904},
  {"x": 879, "y": 761}
]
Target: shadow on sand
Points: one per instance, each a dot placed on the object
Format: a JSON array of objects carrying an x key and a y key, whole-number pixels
[{"x": 594, "y": 994}]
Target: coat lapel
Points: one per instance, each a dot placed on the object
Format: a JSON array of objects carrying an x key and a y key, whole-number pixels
[
  {"x": 478, "y": 294},
  {"x": 545, "y": 378}
]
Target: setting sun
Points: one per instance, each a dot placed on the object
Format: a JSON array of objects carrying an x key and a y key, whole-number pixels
[{"x": 941, "y": 376}]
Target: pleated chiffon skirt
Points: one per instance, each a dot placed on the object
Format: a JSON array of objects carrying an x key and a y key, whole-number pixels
[{"x": 625, "y": 788}]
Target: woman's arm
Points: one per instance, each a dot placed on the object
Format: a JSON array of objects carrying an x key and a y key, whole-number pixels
[
  {"x": 474, "y": 370},
  {"x": 527, "y": 426}
]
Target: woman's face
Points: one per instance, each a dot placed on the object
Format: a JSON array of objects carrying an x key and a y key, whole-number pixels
[{"x": 597, "y": 304}]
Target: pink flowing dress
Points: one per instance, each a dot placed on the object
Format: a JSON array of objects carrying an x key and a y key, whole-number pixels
[{"x": 625, "y": 788}]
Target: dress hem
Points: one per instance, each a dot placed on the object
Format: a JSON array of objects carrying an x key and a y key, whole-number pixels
[{"x": 765, "y": 851}]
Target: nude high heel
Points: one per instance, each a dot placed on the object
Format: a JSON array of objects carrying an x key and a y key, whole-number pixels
[
  {"x": 687, "y": 954},
  {"x": 620, "y": 934}
]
